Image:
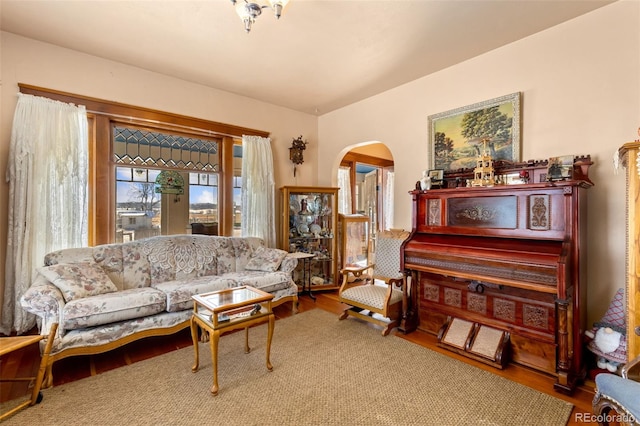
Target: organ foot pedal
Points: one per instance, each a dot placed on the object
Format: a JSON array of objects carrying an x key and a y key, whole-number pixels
[{"x": 477, "y": 341}]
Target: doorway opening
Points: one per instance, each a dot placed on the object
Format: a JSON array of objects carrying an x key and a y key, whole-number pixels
[{"x": 366, "y": 178}]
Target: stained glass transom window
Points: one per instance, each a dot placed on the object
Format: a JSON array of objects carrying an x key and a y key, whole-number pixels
[{"x": 133, "y": 146}]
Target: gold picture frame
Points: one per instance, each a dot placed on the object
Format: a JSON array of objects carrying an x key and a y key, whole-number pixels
[{"x": 456, "y": 137}]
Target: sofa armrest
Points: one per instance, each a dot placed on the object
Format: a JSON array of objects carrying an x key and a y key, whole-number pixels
[
  {"x": 288, "y": 264},
  {"x": 44, "y": 300}
]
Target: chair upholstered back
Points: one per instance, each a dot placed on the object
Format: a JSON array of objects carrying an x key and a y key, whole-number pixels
[{"x": 387, "y": 256}]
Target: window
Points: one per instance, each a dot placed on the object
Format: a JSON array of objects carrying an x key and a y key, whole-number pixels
[
  {"x": 203, "y": 198},
  {"x": 154, "y": 148},
  {"x": 237, "y": 190},
  {"x": 137, "y": 195},
  {"x": 237, "y": 204},
  {"x": 137, "y": 204},
  {"x": 152, "y": 141}
]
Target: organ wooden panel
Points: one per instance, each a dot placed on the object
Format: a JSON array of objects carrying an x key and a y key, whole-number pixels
[{"x": 509, "y": 257}]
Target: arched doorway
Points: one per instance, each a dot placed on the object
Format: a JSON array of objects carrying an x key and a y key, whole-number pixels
[{"x": 369, "y": 190}]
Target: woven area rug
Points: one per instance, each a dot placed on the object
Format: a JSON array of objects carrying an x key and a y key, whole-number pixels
[{"x": 326, "y": 372}]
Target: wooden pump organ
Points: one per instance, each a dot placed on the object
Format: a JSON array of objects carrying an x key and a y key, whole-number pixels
[{"x": 508, "y": 257}]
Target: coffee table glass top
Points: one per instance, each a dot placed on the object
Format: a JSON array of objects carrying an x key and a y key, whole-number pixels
[{"x": 218, "y": 301}]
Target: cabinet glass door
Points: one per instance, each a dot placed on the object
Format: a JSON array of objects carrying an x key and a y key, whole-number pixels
[
  {"x": 310, "y": 226},
  {"x": 354, "y": 240}
]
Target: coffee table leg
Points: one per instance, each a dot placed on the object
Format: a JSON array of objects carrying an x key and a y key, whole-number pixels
[
  {"x": 214, "y": 360},
  {"x": 272, "y": 320},
  {"x": 194, "y": 337},
  {"x": 247, "y": 349}
]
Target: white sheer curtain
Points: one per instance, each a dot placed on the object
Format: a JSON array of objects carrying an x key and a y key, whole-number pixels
[
  {"x": 344, "y": 194},
  {"x": 388, "y": 198},
  {"x": 258, "y": 186},
  {"x": 48, "y": 203}
]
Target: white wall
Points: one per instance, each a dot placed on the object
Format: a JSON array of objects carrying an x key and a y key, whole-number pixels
[{"x": 581, "y": 95}]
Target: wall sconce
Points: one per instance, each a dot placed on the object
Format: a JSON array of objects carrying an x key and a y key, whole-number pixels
[
  {"x": 170, "y": 182},
  {"x": 295, "y": 152}
]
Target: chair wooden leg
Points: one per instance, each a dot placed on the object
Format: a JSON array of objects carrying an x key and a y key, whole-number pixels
[{"x": 386, "y": 330}]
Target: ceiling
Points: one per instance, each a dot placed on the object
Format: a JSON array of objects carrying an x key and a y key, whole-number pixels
[{"x": 321, "y": 55}]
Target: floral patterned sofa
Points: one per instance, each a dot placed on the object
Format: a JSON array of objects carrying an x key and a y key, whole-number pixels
[{"x": 106, "y": 296}]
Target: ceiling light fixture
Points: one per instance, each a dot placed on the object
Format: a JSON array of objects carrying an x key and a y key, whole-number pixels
[{"x": 248, "y": 12}]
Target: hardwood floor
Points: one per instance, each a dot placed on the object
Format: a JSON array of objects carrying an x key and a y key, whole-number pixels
[{"x": 25, "y": 363}]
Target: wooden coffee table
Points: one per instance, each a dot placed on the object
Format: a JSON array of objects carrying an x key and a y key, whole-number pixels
[{"x": 226, "y": 310}]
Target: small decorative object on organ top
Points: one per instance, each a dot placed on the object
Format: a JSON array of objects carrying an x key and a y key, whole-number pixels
[
  {"x": 425, "y": 182},
  {"x": 483, "y": 173},
  {"x": 560, "y": 168},
  {"x": 524, "y": 176}
]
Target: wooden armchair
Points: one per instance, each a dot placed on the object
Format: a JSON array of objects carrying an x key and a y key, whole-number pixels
[
  {"x": 379, "y": 299},
  {"x": 619, "y": 394}
]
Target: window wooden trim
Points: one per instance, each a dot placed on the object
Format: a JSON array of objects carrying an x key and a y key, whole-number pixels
[
  {"x": 102, "y": 115},
  {"x": 170, "y": 121}
]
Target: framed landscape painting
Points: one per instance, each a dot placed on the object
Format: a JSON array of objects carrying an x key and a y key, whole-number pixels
[{"x": 458, "y": 136}]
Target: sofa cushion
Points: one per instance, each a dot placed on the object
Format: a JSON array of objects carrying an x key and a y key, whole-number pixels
[
  {"x": 225, "y": 255},
  {"x": 179, "y": 292},
  {"x": 69, "y": 255},
  {"x": 265, "y": 259},
  {"x": 78, "y": 280},
  {"x": 136, "y": 270},
  {"x": 113, "y": 307},
  {"x": 180, "y": 257},
  {"x": 243, "y": 248},
  {"x": 109, "y": 257},
  {"x": 265, "y": 281}
]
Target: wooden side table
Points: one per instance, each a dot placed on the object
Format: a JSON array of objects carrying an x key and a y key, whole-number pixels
[
  {"x": 226, "y": 310},
  {"x": 11, "y": 344}
]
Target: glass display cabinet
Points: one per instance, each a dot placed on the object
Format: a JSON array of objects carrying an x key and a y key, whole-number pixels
[
  {"x": 353, "y": 240},
  {"x": 309, "y": 225}
]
